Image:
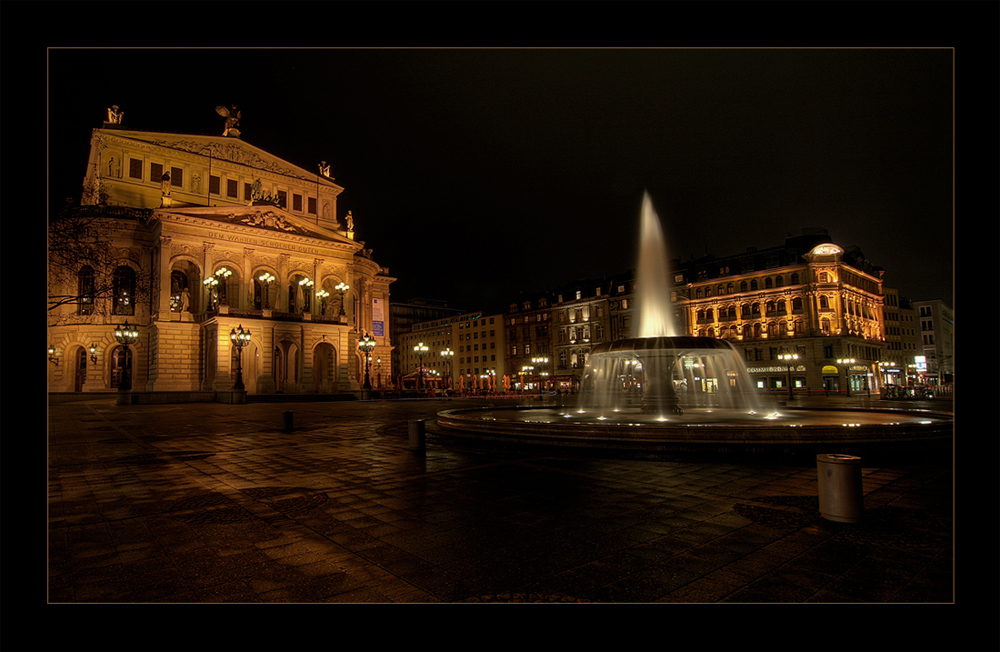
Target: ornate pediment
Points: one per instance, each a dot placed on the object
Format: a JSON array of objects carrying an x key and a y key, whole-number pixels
[{"x": 267, "y": 218}]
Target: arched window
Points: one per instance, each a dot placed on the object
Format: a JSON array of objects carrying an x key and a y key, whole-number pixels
[
  {"x": 781, "y": 306},
  {"x": 745, "y": 310},
  {"x": 795, "y": 278},
  {"x": 797, "y": 303},
  {"x": 753, "y": 285},
  {"x": 755, "y": 310},
  {"x": 729, "y": 288},
  {"x": 824, "y": 277},
  {"x": 85, "y": 290},
  {"x": 780, "y": 281},
  {"x": 123, "y": 297},
  {"x": 823, "y": 302},
  {"x": 768, "y": 282},
  {"x": 743, "y": 286}
]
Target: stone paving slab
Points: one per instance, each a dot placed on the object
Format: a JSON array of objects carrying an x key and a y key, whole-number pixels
[{"x": 213, "y": 503}]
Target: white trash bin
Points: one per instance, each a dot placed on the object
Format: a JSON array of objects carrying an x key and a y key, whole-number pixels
[{"x": 840, "y": 495}]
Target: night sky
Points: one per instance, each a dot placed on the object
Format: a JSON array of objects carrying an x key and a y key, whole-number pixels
[{"x": 476, "y": 174}]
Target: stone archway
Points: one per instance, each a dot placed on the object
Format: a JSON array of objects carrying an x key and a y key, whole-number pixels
[{"x": 325, "y": 368}]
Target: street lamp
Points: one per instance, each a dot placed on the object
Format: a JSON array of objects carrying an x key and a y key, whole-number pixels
[
  {"x": 225, "y": 274},
  {"x": 93, "y": 353},
  {"x": 266, "y": 279},
  {"x": 53, "y": 358},
  {"x": 306, "y": 284},
  {"x": 322, "y": 295},
  {"x": 239, "y": 338},
  {"x": 342, "y": 288},
  {"x": 847, "y": 372},
  {"x": 447, "y": 355},
  {"x": 789, "y": 359},
  {"x": 367, "y": 344},
  {"x": 420, "y": 350},
  {"x": 210, "y": 284},
  {"x": 126, "y": 335}
]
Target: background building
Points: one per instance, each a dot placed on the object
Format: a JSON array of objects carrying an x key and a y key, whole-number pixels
[
  {"x": 937, "y": 333},
  {"x": 807, "y": 297},
  {"x": 475, "y": 342},
  {"x": 198, "y": 235}
]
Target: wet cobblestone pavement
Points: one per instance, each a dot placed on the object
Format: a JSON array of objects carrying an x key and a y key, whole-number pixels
[{"x": 213, "y": 503}]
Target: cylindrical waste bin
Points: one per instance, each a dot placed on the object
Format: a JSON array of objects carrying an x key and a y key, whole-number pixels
[
  {"x": 840, "y": 495},
  {"x": 416, "y": 431}
]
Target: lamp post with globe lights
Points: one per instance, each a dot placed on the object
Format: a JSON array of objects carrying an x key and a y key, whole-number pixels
[
  {"x": 239, "y": 338},
  {"x": 420, "y": 350},
  {"x": 342, "y": 288},
  {"x": 265, "y": 284},
  {"x": 447, "y": 354},
  {"x": 367, "y": 345},
  {"x": 126, "y": 335},
  {"x": 789, "y": 359}
]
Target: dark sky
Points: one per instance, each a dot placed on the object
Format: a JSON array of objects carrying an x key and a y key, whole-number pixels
[{"x": 475, "y": 174}]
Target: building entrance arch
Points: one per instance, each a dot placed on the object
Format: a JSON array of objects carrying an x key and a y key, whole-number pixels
[{"x": 325, "y": 368}]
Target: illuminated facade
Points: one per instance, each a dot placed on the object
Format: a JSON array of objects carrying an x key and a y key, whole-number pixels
[
  {"x": 208, "y": 233},
  {"x": 809, "y": 298}
]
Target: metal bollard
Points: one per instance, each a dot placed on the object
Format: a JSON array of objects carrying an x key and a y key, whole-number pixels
[
  {"x": 417, "y": 438},
  {"x": 286, "y": 422},
  {"x": 840, "y": 495}
]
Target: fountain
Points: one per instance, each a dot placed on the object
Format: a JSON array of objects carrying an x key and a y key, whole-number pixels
[{"x": 666, "y": 390}]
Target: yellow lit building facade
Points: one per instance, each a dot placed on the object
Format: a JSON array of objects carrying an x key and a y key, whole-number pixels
[
  {"x": 209, "y": 233},
  {"x": 810, "y": 299}
]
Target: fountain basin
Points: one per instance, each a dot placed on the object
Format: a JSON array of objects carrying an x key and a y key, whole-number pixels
[{"x": 702, "y": 430}]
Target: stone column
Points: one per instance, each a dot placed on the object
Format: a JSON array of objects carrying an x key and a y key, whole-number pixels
[
  {"x": 163, "y": 305},
  {"x": 246, "y": 279},
  {"x": 281, "y": 300}
]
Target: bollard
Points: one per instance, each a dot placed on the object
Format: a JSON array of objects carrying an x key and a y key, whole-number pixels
[
  {"x": 286, "y": 422},
  {"x": 840, "y": 495},
  {"x": 417, "y": 439}
]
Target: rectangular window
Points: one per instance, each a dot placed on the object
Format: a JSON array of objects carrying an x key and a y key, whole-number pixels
[
  {"x": 247, "y": 192},
  {"x": 215, "y": 185},
  {"x": 282, "y": 198},
  {"x": 135, "y": 168},
  {"x": 297, "y": 202},
  {"x": 177, "y": 177},
  {"x": 232, "y": 188},
  {"x": 155, "y": 172},
  {"x": 312, "y": 205}
]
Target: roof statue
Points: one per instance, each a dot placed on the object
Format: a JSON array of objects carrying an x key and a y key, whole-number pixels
[
  {"x": 232, "y": 117},
  {"x": 115, "y": 115},
  {"x": 324, "y": 168}
]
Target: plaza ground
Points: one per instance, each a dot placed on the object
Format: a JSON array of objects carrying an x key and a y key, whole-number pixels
[{"x": 206, "y": 502}]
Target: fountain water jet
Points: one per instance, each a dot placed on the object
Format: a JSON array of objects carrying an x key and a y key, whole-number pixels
[{"x": 662, "y": 371}]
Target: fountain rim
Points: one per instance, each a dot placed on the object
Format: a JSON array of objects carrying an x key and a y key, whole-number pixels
[{"x": 736, "y": 435}]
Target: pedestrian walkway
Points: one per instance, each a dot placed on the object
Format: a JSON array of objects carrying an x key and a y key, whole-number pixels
[{"x": 327, "y": 503}]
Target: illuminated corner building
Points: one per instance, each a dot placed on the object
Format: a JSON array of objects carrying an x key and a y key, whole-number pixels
[
  {"x": 808, "y": 297},
  {"x": 202, "y": 234},
  {"x": 475, "y": 341}
]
